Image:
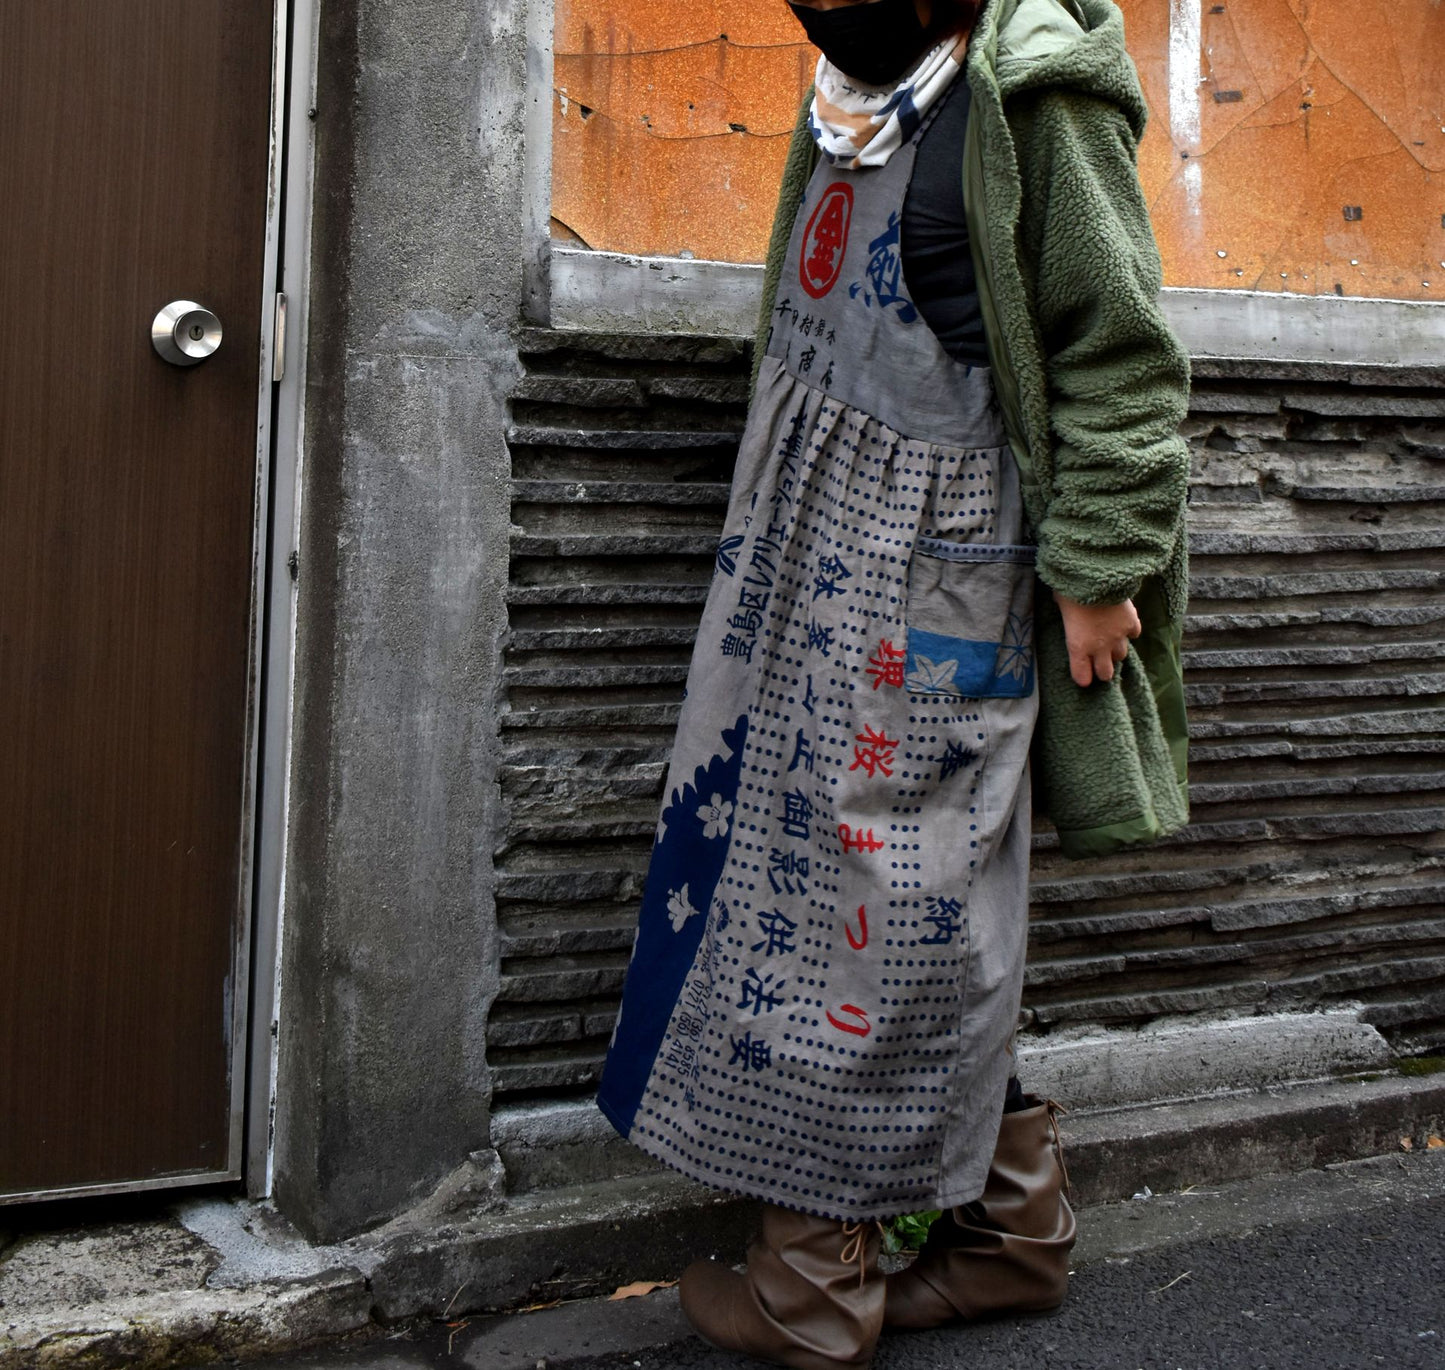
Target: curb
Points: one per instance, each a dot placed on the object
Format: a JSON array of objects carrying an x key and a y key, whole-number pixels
[
  {"x": 1114, "y": 1154},
  {"x": 601, "y": 1332},
  {"x": 589, "y": 1239}
]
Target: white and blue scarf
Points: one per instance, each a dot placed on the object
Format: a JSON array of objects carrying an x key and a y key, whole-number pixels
[{"x": 857, "y": 125}]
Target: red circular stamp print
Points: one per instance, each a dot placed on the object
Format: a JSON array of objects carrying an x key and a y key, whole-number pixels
[{"x": 825, "y": 239}]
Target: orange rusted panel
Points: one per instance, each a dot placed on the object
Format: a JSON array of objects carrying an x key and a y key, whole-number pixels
[
  {"x": 635, "y": 26},
  {"x": 671, "y": 123},
  {"x": 1294, "y": 145}
]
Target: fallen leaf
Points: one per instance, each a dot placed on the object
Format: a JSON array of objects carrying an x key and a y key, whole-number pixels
[
  {"x": 641, "y": 1287},
  {"x": 1407, "y": 1144},
  {"x": 1433, "y": 1143}
]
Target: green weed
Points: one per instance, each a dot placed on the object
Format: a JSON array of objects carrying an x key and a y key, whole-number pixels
[
  {"x": 1421, "y": 1065},
  {"x": 907, "y": 1233}
]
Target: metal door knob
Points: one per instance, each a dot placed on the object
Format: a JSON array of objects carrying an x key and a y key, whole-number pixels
[{"x": 185, "y": 333}]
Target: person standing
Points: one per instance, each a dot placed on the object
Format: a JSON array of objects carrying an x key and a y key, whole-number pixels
[{"x": 955, "y": 537}]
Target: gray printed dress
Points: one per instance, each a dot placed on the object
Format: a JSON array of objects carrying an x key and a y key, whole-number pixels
[{"x": 821, "y": 1001}]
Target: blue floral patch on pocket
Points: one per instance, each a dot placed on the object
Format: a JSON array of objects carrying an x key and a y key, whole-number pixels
[
  {"x": 970, "y": 620},
  {"x": 940, "y": 665}
]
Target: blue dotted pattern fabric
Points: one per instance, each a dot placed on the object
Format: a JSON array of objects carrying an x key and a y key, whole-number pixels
[{"x": 825, "y": 982}]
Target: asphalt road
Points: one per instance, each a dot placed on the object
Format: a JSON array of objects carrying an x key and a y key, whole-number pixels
[
  {"x": 1318, "y": 1272},
  {"x": 1363, "y": 1291}
]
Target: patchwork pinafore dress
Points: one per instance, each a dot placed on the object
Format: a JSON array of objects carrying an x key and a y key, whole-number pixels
[{"x": 822, "y": 996}]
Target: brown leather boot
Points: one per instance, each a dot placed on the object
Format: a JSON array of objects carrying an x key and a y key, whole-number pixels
[
  {"x": 1008, "y": 1250},
  {"x": 811, "y": 1297}
]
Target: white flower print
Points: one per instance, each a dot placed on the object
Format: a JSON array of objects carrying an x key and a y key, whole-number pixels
[
  {"x": 679, "y": 907},
  {"x": 931, "y": 677},
  {"x": 1015, "y": 652},
  {"x": 715, "y": 816}
]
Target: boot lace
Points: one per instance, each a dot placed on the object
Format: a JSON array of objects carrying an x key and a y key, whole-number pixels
[
  {"x": 855, "y": 1246},
  {"x": 1055, "y": 1109}
]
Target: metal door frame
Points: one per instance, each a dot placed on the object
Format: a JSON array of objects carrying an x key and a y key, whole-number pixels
[
  {"x": 254, "y": 916},
  {"x": 281, "y": 436}
]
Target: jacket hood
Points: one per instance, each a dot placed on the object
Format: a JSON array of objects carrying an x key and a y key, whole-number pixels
[{"x": 1075, "y": 45}]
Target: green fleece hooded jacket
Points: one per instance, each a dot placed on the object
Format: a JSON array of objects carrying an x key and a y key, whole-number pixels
[{"x": 1092, "y": 384}]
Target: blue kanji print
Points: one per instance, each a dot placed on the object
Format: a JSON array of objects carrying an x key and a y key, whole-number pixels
[
  {"x": 885, "y": 273},
  {"x": 760, "y": 993},
  {"x": 955, "y": 757},
  {"x": 792, "y": 448},
  {"x": 749, "y": 1052},
  {"x": 778, "y": 933},
  {"x": 831, "y": 574},
  {"x": 944, "y": 917},
  {"x": 787, "y": 871},
  {"x": 798, "y": 815},
  {"x": 735, "y": 644}
]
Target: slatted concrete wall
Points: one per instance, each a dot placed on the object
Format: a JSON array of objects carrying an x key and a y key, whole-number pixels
[{"x": 1314, "y": 869}]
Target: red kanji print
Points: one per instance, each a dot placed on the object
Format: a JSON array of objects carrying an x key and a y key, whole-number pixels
[
  {"x": 875, "y": 754},
  {"x": 861, "y": 941},
  {"x": 824, "y": 240},
  {"x": 859, "y": 841},
  {"x": 886, "y": 665},
  {"x": 859, "y": 1029}
]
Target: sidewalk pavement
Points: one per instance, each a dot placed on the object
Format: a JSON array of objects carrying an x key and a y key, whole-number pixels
[
  {"x": 168, "y": 1282},
  {"x": 1325, "y": 1269}
]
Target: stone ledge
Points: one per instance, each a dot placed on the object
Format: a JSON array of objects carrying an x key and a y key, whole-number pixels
[
  {"x": 267, "y": 1290},
  {"x": 1115, "y": 1154},
  {"x": 1085, "y": 1068}
]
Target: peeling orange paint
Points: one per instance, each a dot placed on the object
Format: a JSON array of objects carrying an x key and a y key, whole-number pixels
[
  {"x": 671, "y": 124},
  {"x": 1294, "y": 145},
  {"x": 1312, "y": 158}
]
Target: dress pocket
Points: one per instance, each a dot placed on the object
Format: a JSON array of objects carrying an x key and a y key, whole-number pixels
[{"x": 970, "y": 620}]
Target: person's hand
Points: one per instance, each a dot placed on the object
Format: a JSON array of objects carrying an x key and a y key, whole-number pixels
[{"x": 1098, "y": 636}]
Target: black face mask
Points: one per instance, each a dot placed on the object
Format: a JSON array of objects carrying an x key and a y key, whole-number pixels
[{"x": 874, "y": 42}]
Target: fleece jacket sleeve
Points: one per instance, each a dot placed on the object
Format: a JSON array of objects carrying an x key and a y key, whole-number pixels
[{"x": 1118, "y": 379}]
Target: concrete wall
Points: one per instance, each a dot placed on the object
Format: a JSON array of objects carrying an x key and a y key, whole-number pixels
[
  {"x": 389, "y": 959},
  {"x": 1309, "y": 877}
]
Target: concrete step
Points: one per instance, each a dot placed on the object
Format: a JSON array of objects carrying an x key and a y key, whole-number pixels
[{"x": 198, "y": 1279}]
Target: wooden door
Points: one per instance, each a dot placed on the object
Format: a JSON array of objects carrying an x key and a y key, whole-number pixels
[{"x": 134, "y": 140}]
